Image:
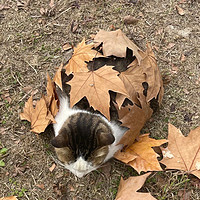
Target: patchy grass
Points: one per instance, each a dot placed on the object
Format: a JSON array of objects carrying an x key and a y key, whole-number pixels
[{"x": 31, "y": 45}]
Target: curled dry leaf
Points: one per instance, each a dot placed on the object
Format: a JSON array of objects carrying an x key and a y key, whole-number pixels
[
  {"x": 52, "y": 167},
  {"x": 130, "y": 20},
  {"x": 52, "y": 98},
  {"x": 180, "y": 10},
  {"x": 115, "y": 43},
  {"x": 44, "y": 111},
  {"x": 153, "y": 75},
  {"x": 128, "y": 189},
  {"x": 95, "y": 86},
  {"x": 82, "y": 53},
  {"x": 184, "y": 151},
  {"x": 140, "y": 154},
  {"x": 67, "y": 46}
]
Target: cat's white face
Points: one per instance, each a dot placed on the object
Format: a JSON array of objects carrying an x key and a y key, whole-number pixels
[{"x": 80, "y": 167}]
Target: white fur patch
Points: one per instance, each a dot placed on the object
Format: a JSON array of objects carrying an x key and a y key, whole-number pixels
[{"x": 80, "y": 167}]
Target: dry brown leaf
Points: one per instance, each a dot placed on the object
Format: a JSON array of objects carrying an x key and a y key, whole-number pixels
[
  {"x": 183, "y": 58},
  {"x": 170, "y": 45},
  {"x": 51, "y": 98},
  {"x": 94, "y": 85},
  {"x": 128, "y": 189},
  {"x": 9, "y": 198},
  {"x": 38, "y": 116},
  {"x": 180, "y": 10},
  {"x": 140, "y": 154},
  {"x": 134, "y": 118},
  {"x": 52, "y": 167},
  {"x": 132, "y": 78},
  {"x": 183, "y": 153},
  {"x": 137, "y": 76},
  {"x": 82, "y": 53},
  {"x": 41, "y": 186},
  {"x": 66, "y": 46},
  {"x": 153, "y": 75},
  {"x": 57, "y": 78},
  {"x": 130, "y": 20},
  {"x": 52, "y": 4},
  {"x": 115, "y": 43}
]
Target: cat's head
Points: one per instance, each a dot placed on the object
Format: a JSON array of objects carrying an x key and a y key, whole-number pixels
[{"x": 82, "y": 142}]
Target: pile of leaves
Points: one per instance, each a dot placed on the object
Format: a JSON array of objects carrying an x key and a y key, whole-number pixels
[
  {"x": 112, "y": 72},
  {"x": 111, "y": 63}
]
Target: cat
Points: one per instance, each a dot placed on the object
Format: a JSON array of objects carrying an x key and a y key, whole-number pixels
[{"x": 84, "y": 140}]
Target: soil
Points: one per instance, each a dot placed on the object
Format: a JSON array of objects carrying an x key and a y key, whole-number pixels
[{"x": 32, "y": 35}]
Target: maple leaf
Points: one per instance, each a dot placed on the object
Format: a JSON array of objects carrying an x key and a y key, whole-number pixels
[
  {"x": 183, "y": 153},
  {"x": 94, "y": 85},
  {"x": 136, "y": 75},
  {"x": 115, "y": 43},
  {"x": 82, "y": 53},
  {"x": 39, "y": 117},
  {"x": 9, "y": 198},
  {"x": 132, "y": 78},
  {"x": 128, "y": 189},
  {"x": 140, "y": 154},
  {"x": 134, "y": 118}
]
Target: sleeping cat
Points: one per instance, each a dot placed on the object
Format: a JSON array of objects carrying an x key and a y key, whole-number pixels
[{"x": 83, "y": 140}]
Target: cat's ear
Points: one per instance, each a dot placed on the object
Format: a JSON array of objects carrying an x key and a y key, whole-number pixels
[
  {"x": 61, "y": 140},
  {"x": 105, "y": 138}
]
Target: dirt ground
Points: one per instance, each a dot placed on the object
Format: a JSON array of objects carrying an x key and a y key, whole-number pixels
[{"x": 31, "y": 39}]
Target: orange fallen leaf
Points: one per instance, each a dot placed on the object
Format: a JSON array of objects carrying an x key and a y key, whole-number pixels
[
  {"x": 183, "y": 153},
  {"x": 9, "y": 198},
  {"x": 52, "y": 167},
  {"x": 128, "y": 189},
  {"x": 115, "y": 43},
  {"x": 140, "y": 154},
  {"x": 82, "y": 53},
  {"x": 132, "y": 78},
  {"x": 180, "y": 10},
  {"x": 95, "y": 86},
  {"x": 39, "y": 117}
]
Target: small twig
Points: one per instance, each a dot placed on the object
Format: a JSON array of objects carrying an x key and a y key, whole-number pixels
[
  {"x": 62, "y": 13},
  {"x": 26, "y": 195},
  {"x": 31, "y": 67},
  {"x": 25, "y": 96}
]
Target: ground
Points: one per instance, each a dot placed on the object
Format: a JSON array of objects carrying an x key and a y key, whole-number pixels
[{"x": 31, "y": 46}]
